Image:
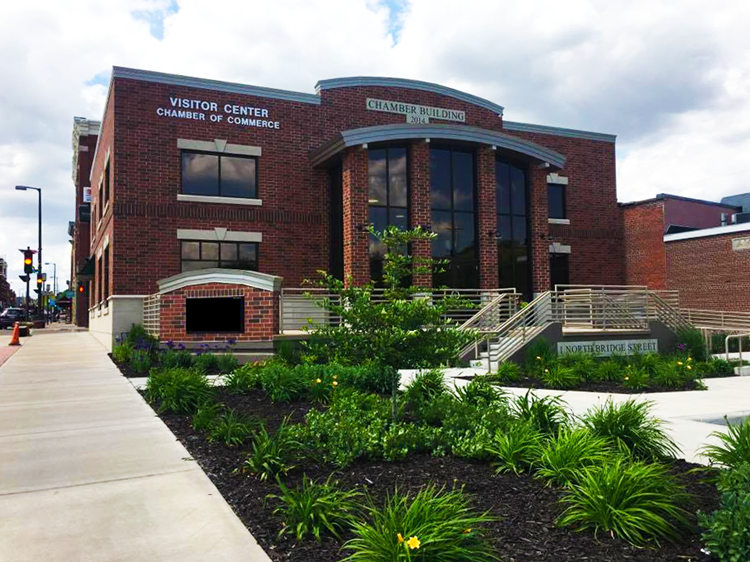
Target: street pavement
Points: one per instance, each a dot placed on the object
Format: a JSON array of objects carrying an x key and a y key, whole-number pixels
[{"x": 89, "y": 473}]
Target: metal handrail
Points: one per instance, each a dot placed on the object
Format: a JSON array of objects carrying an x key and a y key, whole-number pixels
[
  {"x": 726, "y": 345},
  {"x": 718, "y": 319}
]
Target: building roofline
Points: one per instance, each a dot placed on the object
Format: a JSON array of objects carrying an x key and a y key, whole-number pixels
[
  {"x": 665, "y": 196},
  {"x": 385, "y": 133},
  {"x": 558, "y": 131},
  {"x": 386, "y": 82},
  {"x": 706, "y": 232}
]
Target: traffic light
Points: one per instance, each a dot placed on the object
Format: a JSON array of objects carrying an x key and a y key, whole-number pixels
[
  {"x": 81, "y": 288},
  {"x": 28, "y": 261},
  {"x": 39, "y": 280},
  {"x": 24, "y": 278}
]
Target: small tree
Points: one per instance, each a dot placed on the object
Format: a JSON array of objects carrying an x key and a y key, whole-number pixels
[{"x": 407, "y": 328}]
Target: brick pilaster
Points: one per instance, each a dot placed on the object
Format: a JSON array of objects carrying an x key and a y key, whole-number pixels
[
  {"x": 539, "y": 229},
  {"x": 487, "y": 218},
  {"x": 421, "y": 214},
  {"x": 355, "y": 191}
]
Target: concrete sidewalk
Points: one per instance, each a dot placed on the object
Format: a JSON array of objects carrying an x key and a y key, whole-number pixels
[{"x": 89, "y": 473}]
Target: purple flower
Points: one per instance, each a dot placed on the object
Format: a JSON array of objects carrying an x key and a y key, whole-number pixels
[
  {"x": 170, "y": 344},
  {"x": 681, "y": 346},
  {"x": 232, "y": 341}
]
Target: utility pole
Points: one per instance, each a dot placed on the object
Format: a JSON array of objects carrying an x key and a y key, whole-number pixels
[{"x": 40, "y": 309}]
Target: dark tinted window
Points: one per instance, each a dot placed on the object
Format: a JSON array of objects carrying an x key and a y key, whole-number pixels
[
  {"x": 556, "y": 201},
  {"x": 226, "y": 314},
  {"x": 440, "y": 178},
  {"x": 230, "y": 255},
  {"x": 512, "y": 227},
  {"x": 217, "y": 175}
]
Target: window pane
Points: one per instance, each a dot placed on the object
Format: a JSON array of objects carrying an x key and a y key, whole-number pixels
[
  {"x": 397, "y": 217},
  {"x": 379, "y": 219},
  {"x": 210, "y": 251},
  {"x": 463, "y": 181},
  {"x": 464, "y": 234},
  {"x": 519, "y": 231},
  {"x": 443, "y": 244},
  {"x": 191, "y": 250},
  {"x": 556, "y": 201},
  {"x": 377, "y": 177},
  {"x": 503, "y": 223},
  {"x": 228, "y": 252},
  {"x": 238, "y": 177},
  {"x": 440, "y": 178},
  {"x": 200, "y": 174},
  {"x": 194, "y": 265},
  {"x": 518, "y": 188},
  {"x": 397, "y": 176},
  {"x": 248, "y": 254},
  {"x": 502, "y": 178},
  {"x": 522, "y": 270}
]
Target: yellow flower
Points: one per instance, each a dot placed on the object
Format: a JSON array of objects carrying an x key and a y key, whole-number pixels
[
  {"x": 318, "y": 381},
  {"x": 467, "y": 531},
  {"x": 400, "y": 538},
  {"x": 689, "y": 367},
  {"x": 679, "y": 363},
  {"x": 546, "y": 370},
  {"x": 627, "y": 378},
  {"x": 335, "y": 376},
  {"x": 413, "y": 543},
  {"x": 690, "y": 358},
  {"x": 334, "y": 383},
  {"x": 538, "y": 357}
]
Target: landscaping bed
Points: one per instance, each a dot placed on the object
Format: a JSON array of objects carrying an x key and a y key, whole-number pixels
[{"x": 525, "y": 507}]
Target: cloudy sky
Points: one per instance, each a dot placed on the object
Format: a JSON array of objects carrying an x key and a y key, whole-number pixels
[{"x": 670, "y": 78}]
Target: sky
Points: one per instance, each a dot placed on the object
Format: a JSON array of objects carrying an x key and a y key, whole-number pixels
[{"x": 670, "y": 78}]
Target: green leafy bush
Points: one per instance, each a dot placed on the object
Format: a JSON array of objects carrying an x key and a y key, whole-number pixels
[
  {"x": 231, "y": 428},
  {"x": 635, "y": 378},
  {"x": 282, "y": 383},
  {"x": 547, "y": 414},
  {"x": 691, "y": 341},
  {"x": 178, "y": 389},
  {"x": 538, "y": 355},
  {"x": 138, "y": 337},
  {"x": 207, "y": 362},
  {"x": 205, "y": 415},
  {"x": 315, "y": 509},
  {"x": 141, "y": 361},
  {"x": 507, "y": 372},
  {"x": 557, "y": 375},
  {"x": 272, "y": 456},
  {"x": 426, "y": 386},
  {"x": 727, "y": 530},
  {"x": 175, "y": 358},
  {"x": 564, "y": 455},
  {"x": 734, "y": 446},
  {"x": 367, "y": 378},
  {"x": 669, "y": 375},
  {"x": 649, "y": 363},
  {"x": 434, "y": 525},
  {"x": 244, "y": 378},
  {"x": 610, "y": 370},
  {"x": 716, "y": 367},
  {"x": 629, "y": 425},
  {"x": 121, "y": 352},
  {"x": 226, "y": 363},
  {"x": 479, "y": 391},
  {"x": 516, "y": 449},
  {"x": 636, "y": 502}
]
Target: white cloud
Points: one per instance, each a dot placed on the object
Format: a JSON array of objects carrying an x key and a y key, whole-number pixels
[{"x": 672, "y": 79}]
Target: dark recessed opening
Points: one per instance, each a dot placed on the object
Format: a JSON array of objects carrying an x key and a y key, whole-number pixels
[{"x": 223, "y": 314}]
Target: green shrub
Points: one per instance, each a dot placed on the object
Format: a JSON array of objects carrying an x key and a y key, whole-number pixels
[
  {"x": 367, "y": 378},
  {"x": 670, "y": 376},
  {"x": 727, "y": 530},
  {"x": 648, "y": 363},
  {"x": 320, "y": 386},
  {"x": 226, "y": 363},
  {"x": 275, "y": 455},
  {"x": 734, "y": 445},
  {"x": 557, "y": 375},
  {"x": 244, "y": 378},
  {"x": 479, "y": 391},
  {"x": 507, "y": 372},
  {"x": 403, "y": 439},
  {"x": 141, "y": 361},
  {"x": 635, "y": 378},
  {"x": 538, "y": 355},
  {"x": 178, "y": 389},
  {"x": 610, "y": 370},
  {"x": 517, "y": 449},
  {"x": 716, "y": 367},
  {"x": 121, "y": 352},
  {"x": 205, "y": 415},
  {"x": 547, "y": 414},
  {"x": 564, "y": 455},
  {"x": 630, "y": 426},
  {"x": 434, "y": 525},
  {"x": 691, "y": 342},
  {"x": 586, "y": 369},
  {"x": 231, "y": 428},
  {"x": 207, "y": 362},
  {"x": 636, "y": 502},
  {"x": 282, "y": 383},
  {"x": 288, "y": 353},
  {"x": 315, "y": 509},
  {"x": 425, "y": 387},
  {"x": 171, "y": 358},
  {"x": 137, "y": 336}
]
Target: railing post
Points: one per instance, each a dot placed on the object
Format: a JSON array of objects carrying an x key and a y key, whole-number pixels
[
  {"x": 489, "y": 355},
  {"x": 281, "y": 311}
]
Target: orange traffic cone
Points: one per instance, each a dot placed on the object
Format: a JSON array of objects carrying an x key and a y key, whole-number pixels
[{"x": 14, "y": 340}]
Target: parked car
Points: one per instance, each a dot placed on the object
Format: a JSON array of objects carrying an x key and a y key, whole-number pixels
[{"x": 10, "y": 316}]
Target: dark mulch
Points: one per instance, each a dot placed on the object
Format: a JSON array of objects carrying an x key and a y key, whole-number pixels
[
  {"x": 127, "y": 371},
  {"x": 606, "y": 386},
  {"x": 526, "y": 508}
]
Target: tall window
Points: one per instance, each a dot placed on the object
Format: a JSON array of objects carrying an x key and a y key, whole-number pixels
[
  {"x": 227, "y": 255},
  {"x": 105, "y": 275},
  {"x": 557, "y": 201},
  {"x": 513, "y": 242},
  {"x": 388, "y": 198},
  {"x": 106, "y": 184},
  {"x": 452, "y": 191},
  {"x": 219, "y": 175}
]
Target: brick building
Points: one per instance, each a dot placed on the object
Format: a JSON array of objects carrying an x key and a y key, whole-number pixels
[
  {"x": 212, "y": 194},
  {"x": 690, "y": 246},
  {"x": 7, "y": 296}
]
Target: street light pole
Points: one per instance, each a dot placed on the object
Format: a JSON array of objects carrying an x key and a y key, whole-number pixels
[
  {"x": 54, "y": 287},
  {"x": 40, "y": 310}
]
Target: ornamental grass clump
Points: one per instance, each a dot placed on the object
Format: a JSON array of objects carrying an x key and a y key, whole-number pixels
[
  {"x": 634, "y": 501},
  {"x": 282, "y": 383},
  {"x": 273, "y": 455},
  {"x": 479, "y": 391},
  {"x": 205, "y": 415},
  {"x": 734, "y": 445},
  {"x": 610, "y": 370},
  {"x": 516, "y": 449},
  {"x": 231, "y": 428},
  {"x": 316, "y": 508},
  {"x": 562, "y": 457},
  {"x": 557, "y": 375},
  {"x": 629, "y": 426},
  {"x": 636, "y": 378},
  {"x": 546, "y": 414},
  {"x": 538, "y": 355},
  {"x": 243, "y": 379},
  {"x": 433, "y": 525},
  {"x": 178, "y": 389},
  {"x": 507, "y": 372}
]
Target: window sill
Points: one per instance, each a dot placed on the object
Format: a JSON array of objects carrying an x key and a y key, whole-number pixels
[
  {"x": 218, "y": 199},
  {"x": 558, "y": 221}
]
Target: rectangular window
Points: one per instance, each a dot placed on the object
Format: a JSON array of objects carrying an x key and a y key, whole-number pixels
[
  {"x": 215, "y": 315},
  {"x": 512, "y": 227},
  {"x": 559, "y": 268},
  {"x": 227, "y": 255},
  {"x": 556, "y": 201},
  {"x": 105, "y": 276},
  {"x": 219, "y": 175},
  {"x": 106, "y": 184},
  {"x": 388, "y": 181}
]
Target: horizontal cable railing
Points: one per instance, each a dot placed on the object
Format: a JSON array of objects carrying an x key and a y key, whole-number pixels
[
  {"x": 301, "y": 307},
  {"x": 717, "y": 319}
]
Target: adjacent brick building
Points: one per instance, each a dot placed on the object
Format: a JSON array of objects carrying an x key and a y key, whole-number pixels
[{"x": 193, "y": 175}]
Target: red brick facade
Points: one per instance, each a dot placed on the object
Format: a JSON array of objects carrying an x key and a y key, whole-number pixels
[
  {"x": 261, "y": 313},
  {"x": 140, "y": 222},
  {"x": 643, "y": 245}
]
